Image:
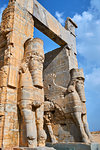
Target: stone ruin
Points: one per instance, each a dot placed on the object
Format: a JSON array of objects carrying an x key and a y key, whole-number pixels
[{"x": 33, "y": 113}]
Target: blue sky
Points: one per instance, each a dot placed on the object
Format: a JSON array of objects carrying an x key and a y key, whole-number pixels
[{"x": 86, "y": 13}]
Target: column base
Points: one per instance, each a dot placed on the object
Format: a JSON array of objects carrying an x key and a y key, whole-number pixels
[{"x": 75, "y": 146}]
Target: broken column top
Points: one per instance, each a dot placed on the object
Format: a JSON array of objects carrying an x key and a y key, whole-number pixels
[{"x": 70, "y": 25}]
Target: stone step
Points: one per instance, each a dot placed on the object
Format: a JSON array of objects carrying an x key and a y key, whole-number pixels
[
  {"x": 38, "y": 148},
  {"x": 75, "y": 146},
  {"x": 61, "y": 146}
]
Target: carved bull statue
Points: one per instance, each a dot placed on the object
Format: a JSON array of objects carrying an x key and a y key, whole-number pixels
[
  {"x": 70, "y": 103},
  {"x": 31, "y": 92}
]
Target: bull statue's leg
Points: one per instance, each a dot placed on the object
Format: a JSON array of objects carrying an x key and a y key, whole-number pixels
[
  {"x": 40, "y": 131},
  {"x": 84, "y": 117},
  {"x": 47, "y": 118},
  {"x": 52, "y": 136},
  {"x": 29, "y": 120},
  {"x": 78, "y": 120}
]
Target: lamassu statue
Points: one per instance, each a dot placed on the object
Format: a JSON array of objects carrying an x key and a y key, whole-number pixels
[
  {"x": 31, "y": 93},
  {"x": 76, "y": 103},
  {"x": 69, "y": 105}
]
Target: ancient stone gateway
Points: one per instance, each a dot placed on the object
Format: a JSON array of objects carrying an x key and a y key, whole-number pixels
[{"x": 31, "y": 112}]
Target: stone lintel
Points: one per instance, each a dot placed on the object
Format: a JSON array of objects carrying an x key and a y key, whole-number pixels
[{"x": 48, "y": 25}]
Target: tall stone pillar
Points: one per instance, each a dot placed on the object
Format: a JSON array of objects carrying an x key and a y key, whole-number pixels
[{"x": 16, "y": 27}]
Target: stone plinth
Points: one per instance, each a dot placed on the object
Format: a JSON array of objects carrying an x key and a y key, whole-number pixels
[
  {"x": 75, "y": 146},
  {"x": 61, "y": 146},
  {"x": 38, "y": 148}
]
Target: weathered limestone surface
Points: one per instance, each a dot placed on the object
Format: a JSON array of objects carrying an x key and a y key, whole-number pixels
[
  {"x": 24, "y": 112},
  {"x": 16, "y": 28}
]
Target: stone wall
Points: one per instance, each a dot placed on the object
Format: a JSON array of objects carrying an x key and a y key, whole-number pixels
[{"x": 16, "y": 28}]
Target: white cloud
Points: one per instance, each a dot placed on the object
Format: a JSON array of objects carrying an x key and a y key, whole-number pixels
[
  {"x": 89, "y": 34},
  {"x": 1, "y": 11},
  {"x": 95, "y": 4},
  {"x": 88, "y": 40},
  {"x": 93, "y": 79},
  {"x": 60, "y": 17}
]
